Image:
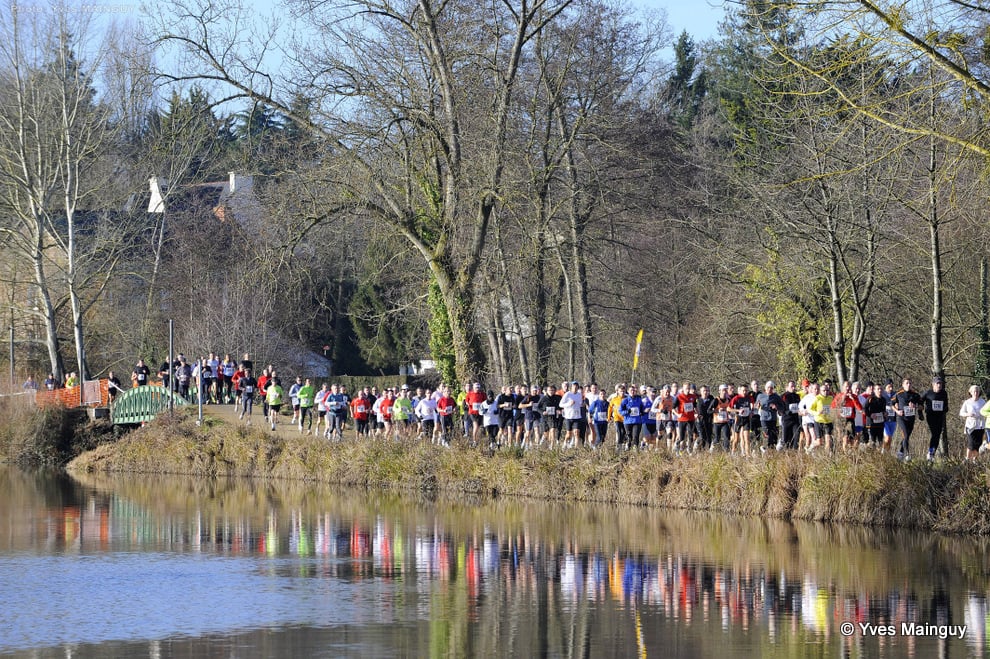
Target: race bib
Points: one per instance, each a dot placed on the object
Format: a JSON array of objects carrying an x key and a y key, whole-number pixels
[
  {"x": 688, "y": 407},
  {"x": 652, "y": 415},
  {"x": 846, "y": 412},
  {"x": 877, "y": 417},
  {"x": 938, "y": 406},
  {"x": 890, "y": 411},
  {"x": 599, "y": 416},
  {"x": 475, "y": 407},
  {"x": 249, "y": 389},
  {"x": 664, "y": 416},
  {"x": 909, "y": 411},
  {"x": 793, "y": 408},
  {"x": 448, "y": 410},
  {"x": 361, "y": 409},
  {"x": 744, "y": 412},
  {"x": 633, "y": 411},
  {"x": 723, "y": 416}
]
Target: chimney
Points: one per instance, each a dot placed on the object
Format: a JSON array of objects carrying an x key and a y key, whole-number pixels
[
  {"x": 159, "y": 186},
  {"x": 239, "y": 183}
]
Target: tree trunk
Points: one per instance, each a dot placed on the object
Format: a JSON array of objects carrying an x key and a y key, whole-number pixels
[
  {"x": 48, "y": 313},
  {"x": 838, "y": 324}
]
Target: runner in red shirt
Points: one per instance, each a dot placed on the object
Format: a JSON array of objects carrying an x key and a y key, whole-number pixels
[
  {"x": 686, "y": 409},
  {"x": 445, "y": 414},
  {"x": 846, "y": 404},
  {"x": 361, "y": 411},
  {"x": 474, "y": 399}
]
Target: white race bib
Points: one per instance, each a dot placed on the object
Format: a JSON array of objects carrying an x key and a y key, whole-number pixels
[
  {"x": 744, "y": 412},
  {"x": 846, "y": 412},
  {"x": 890, "y": 411},
  {"x": 723, "y": 416},
  {"x": 877, "y": 417},
  {"x": 938, "y": 406},
  {"x": 599, "y": 416},
  {"x": 633, "y": 411},
  {"x": 909, "y": 411},
  {"x": 793, "y": 407},
  {"x": 249, "y": 389},
  {"x": 476, "y": 407},
  {"x": 688, "y": 407}
]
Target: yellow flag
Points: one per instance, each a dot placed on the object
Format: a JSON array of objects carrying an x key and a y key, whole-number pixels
[{"x": 639, "y": 344}]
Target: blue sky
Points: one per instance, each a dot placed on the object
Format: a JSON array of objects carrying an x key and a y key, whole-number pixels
[{"x": 699, "y": 17}]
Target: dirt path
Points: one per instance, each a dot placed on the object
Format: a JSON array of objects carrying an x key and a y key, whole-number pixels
[{"x": 284, "y": 427}]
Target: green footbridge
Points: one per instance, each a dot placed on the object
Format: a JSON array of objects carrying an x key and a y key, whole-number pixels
[{"x": 143, "y": 404}]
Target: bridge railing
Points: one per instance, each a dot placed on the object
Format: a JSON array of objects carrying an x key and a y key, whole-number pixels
[{"x": 142, "y": 404}]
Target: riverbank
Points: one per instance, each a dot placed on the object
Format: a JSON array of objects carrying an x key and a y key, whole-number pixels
[
  {"x": 864, "y": 488},
  {"x": 49, "y": 437}
]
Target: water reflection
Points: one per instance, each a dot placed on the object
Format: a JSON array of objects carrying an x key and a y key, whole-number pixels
[{"x": 257, "y": 569}]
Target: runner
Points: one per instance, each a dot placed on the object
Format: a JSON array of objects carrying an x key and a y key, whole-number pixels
[
  {"x": 598, "y": 411},
  {"x": 274, "y": 396},
  {"x": 875, "y": 412},
  {"x": 294, "y": 399},
  {"x": 139, "y": 377},
  {"x": 971, "y": 411},
  {"x": 506, "y": 404},
  {"x": 337, "y": 405},
  {"x": 227, "y": 369},
  {"x": 633, "y": 416},
  {"x": 805, "y": 410},
  {"x": 306, "y": 394},
  {"x": 936, "y": 402},
  {"x": 247, "y": 385},
  {"x": 472, "y": 401},
  {"x": 845, "y": 408},
  {"x": 489, "y": 416},
  {"x": 426, "y": 411},
  {"x": 531, "y": 417},
  {"x": 706, "y": 408},
  {"x": 615, "y": 415},
  {"x": 402, "y": 413},
  {"x": 571, "y": 404},
  {"x": 741, "y": 408},
  {"x": 684, "y": 409},
  {"x": 722, "y": 424},
  {"x": 907, "y": 406},
  {"x": 361, "y": 411},
  {"x": 320, "y": 400},
  {"x": 822, "y": 410},
  {"x": 769, "y": 406},
  {"x": 790, "y": 419},
  {"x": 445, "y": 414}
]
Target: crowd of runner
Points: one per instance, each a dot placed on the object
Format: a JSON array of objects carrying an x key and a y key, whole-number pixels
[{"x": 740, "y": 419}]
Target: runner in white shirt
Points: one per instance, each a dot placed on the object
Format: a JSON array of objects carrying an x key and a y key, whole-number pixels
[
  {"x": 426, "y": 410},
  {"x": 570, "y": 404},
  {"x": 971, "y": 411},
  {"x": 809, "y": 431}
]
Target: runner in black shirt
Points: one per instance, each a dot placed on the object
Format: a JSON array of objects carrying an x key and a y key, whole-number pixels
[
  {"x": 790, "y": 419},
  {"x": 141, "y": 374},
  {"x": 936, "y": 405},
  {"x": 907, "y": 406}
]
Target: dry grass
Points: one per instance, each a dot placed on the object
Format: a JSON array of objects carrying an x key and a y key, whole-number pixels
[
  {"x": 32, "y": 437},
  {"x": 860, "y": 488}
]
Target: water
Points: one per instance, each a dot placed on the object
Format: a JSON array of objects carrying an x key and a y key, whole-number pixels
[{"x": 136, "y": 566}]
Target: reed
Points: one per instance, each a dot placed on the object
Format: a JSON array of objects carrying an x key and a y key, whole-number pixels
[
  {"x": 49, "y": 437},
  {"x": 862, "y": 488}
]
